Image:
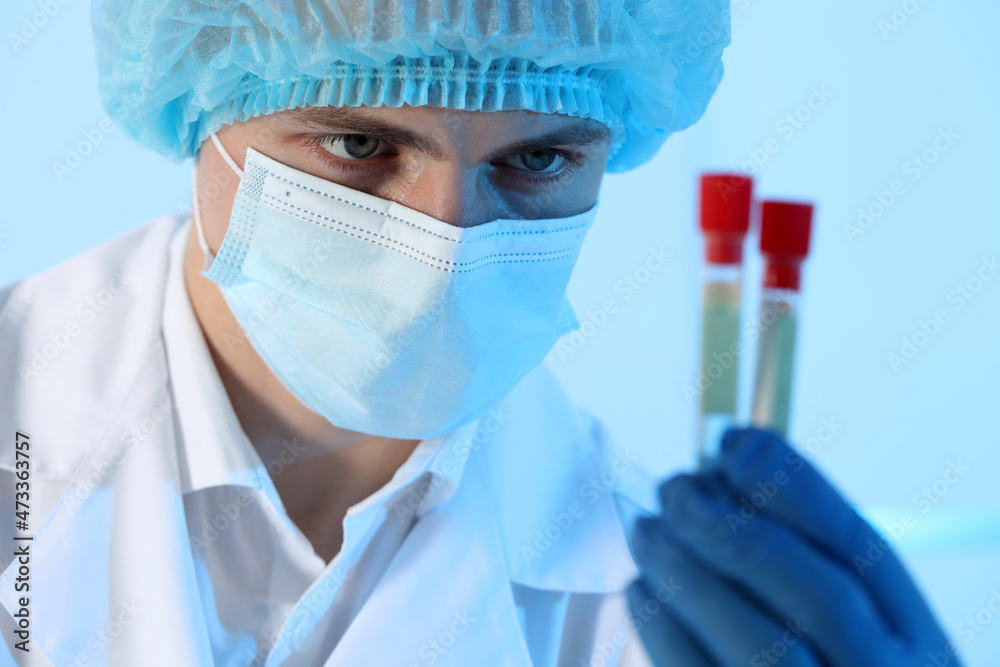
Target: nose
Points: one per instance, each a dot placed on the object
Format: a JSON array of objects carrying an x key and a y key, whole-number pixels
[{"x": 452, "y": 194}]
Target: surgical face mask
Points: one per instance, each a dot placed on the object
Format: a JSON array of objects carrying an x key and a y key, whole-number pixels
[{"x": 382, "y": 319}]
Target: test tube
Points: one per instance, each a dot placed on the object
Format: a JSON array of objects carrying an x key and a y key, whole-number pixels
[
  {"x": 725, "y": 218},
  {"x": 784, "y": 243}
]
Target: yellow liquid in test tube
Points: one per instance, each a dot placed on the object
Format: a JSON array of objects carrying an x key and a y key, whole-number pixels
[
  {"x": 719, "y": 358},
  {"x": 772, "y": 394}
]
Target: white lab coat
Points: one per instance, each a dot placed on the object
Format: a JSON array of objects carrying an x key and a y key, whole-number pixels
[{"x": 82, "y": 365}]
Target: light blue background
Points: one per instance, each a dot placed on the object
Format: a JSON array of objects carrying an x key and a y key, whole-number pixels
[{"x": 889, "y": 96}]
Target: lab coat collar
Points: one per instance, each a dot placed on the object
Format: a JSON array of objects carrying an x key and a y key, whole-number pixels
[{"x": 196, "y": 388}]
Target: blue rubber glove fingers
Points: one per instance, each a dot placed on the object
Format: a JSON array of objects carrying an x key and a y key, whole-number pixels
[
  {"x": 783, "y": 571},
  {"x": 728, "y": 625},
  {"x": 666, "y": 642},
  {"x": 766, "y": 475}
]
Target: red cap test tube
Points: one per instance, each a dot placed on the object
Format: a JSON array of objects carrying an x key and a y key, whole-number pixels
[
  {"x": 724, "y": 221},
  {"x": 784, "y": 243}
]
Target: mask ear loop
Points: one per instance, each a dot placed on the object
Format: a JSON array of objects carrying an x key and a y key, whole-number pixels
[
  {"x": 226, "y": 156},
  {"x": 196, "y": 215},
  {"x": 195, "y": 209}
]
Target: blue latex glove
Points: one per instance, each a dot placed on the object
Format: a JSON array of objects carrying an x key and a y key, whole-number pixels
[{"x": 759, "y": 561}]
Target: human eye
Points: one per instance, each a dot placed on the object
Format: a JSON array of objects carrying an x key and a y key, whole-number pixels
[
  {"x": 352, "y": 146},
  {"x": 547, "y": 164}
]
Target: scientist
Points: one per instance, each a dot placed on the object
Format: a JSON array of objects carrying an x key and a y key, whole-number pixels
[{"x": 308, "y": 424}]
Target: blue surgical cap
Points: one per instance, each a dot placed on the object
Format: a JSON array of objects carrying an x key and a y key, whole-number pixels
[{"x": 174, "y": 71}]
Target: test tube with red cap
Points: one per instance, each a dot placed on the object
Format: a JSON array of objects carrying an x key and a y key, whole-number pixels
[
  {"x": 725, "y": 219},
  {"x": 784, "y": 243}
]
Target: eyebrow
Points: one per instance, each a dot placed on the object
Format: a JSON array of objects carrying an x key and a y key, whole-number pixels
[{"x": 578, "y": 132}]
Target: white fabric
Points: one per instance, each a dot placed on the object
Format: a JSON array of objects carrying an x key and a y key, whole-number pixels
[{"x": 135, "y": 445}]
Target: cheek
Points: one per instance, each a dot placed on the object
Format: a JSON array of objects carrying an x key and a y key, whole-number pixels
[
  {"x": 587, "y": 182},
  {"x": 573, "y": 193},
  {"x": 217, "y": 185}
]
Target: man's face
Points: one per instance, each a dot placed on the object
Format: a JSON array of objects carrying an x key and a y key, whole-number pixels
[
  {"x": 465, "y": 168},
  {"x": 462, "y": 167}
]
